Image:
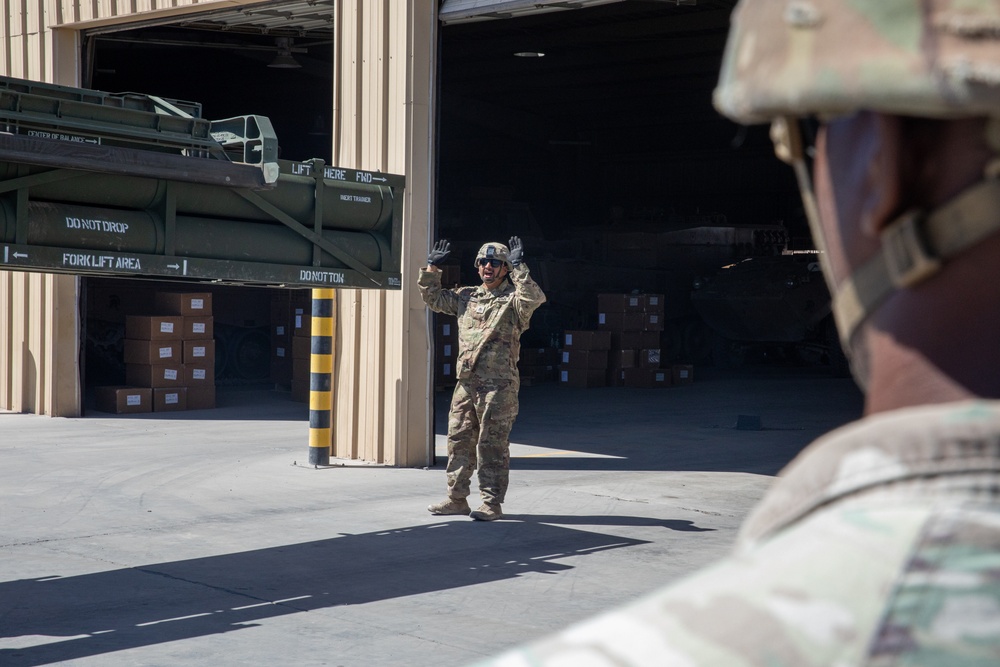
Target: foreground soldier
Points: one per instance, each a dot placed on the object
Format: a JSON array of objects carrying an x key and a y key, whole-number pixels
[
  {"x": 880, "y": 543},
  {"x": 491, "y": 319}
]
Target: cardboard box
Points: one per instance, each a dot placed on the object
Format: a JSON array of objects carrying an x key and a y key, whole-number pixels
[
  {"x": 170, "y": 400},
  {"x": 197, "y": 375},
  {"x": 445, "y": 350},
  {"x": 621, "y": 321},
  {"x": 616, "y": 377},
  {"x": 652, "y": 322},
  {"x": 302, "y": 321},
  {"x": 539, "y": 356},
  {"x": 647, "y": 378},
  {"x": 301, "y": 347},
  {"x": 199, "y": 327},
  {"x": 201, "y": 398},
  {"x": 582, "y": 378},
  {"x": 621, "y": 359},
  {"x": 653, "y": 303},
  {"x": 124, "y": 400},
  {"x": 152, "y": 352},
  {"x": 634, "y": 340},
  {"x": 301, "y": 370},
  {"x": 591, "y": 359},
  {"x": 619, "y": 303},
  {"x": 183, "y": 303},
  {"x": 682, "y": 373},
  {"x": 200, "y": 352},
  {"x": 648, "y": 358},
  {"x": 154, "y": 327},
  {"x": 445, "y": 327},
  {"x": 587, "y": 340},
  {"x": 145, "y": 375}
]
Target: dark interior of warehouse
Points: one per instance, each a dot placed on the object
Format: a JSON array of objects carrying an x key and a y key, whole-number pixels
[{"x": 589, "y": 133}]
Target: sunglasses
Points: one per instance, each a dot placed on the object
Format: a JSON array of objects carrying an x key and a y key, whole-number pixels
[{"x": 495, "y": 263}]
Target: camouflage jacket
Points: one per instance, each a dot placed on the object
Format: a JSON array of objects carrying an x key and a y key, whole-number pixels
[
  {"x": 879, "y": 545},
  {"x": 490, "y": 322}
]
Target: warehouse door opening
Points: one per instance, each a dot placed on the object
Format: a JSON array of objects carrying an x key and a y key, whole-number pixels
[{"x": 273, "y": 60}]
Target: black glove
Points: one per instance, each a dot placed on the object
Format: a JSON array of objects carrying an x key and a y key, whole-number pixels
[
  {"x": 440, "y": 250},
  {"x": 516, "y": 254}
]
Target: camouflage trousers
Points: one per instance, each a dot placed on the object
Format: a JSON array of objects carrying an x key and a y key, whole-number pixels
[{"x": 479, "y": 423}]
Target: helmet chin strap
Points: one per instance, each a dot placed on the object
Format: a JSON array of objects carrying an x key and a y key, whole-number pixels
[{"x": 914, "y": 246}]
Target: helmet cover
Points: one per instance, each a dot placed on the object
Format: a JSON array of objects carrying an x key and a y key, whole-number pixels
[
  {"x": 929, "y": 58},
  {"x": 494, "y": 250}
]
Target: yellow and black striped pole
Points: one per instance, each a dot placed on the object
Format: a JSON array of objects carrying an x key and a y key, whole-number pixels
[{"x": 321, "y": 377}]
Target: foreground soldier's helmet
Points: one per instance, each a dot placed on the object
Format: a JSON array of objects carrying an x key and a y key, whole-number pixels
[
  {"x": 935, "y": 58},
  {"x": 493, "y": 250},
  {"x": 788, "y": 59}
]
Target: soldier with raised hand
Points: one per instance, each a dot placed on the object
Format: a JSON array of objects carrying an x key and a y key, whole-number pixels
[
  {"x": 880, "y": 543},
  {"x": 491, "y": 318}
]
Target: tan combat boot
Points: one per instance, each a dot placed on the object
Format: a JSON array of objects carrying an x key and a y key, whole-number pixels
[
  {"x": 487, "y": 512},
  {"x": 451, "y": 506}
]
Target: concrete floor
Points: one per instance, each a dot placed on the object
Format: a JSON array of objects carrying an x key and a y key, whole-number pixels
[{"x": 202, "y": 538}]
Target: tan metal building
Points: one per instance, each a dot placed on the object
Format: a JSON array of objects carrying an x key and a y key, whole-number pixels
[{"x": 382, "y": 120}]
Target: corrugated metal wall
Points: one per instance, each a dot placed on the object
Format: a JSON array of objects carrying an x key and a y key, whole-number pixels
[{"x": 383, "y": 110}]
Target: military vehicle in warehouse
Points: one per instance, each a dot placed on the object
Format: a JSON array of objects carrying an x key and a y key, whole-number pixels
[{"x": 771, "y": 306}]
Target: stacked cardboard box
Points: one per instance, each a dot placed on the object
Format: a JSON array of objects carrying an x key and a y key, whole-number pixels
[
  {"x": 538, "y": 364},
  {"x": 281, "y": 338},
  {"x": 584, "y": 358},
  {"x": 445, "y": 349},
  {"x": 635, "y": 322},
  {"x": 169, "y": 357}
]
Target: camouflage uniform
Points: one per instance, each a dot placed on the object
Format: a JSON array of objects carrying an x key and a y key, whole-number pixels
[
  {"x": 879, "y": 545},
  {"x": 484, "y": 405}
]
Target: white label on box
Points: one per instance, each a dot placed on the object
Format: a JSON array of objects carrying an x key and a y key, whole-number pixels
[
  {"x": 197, "y": 304},
  {"x": 445, "y": 329},
  {"x": 166, "y": 352},
  {"x": 198, "y": 374},
  {"x": 446, "y": 369},
  {"x": 198, "y": 351},
  {"x": 169, "y": 374},
  {"x": 633, "y": 301},
  {"x": 298, "y": 321},
  {"x": 447, "y": 350},
  {"x": 564, "y": 376},
  {"x": 565, "y": 357},
  {"x": 171, "y": 399},
  {"x": 280, "y": 352},
  {"x": 133, "y": 399},
  {"x": 569, "y": 339},
  {"x": 683, "y": 374},
  {"x": 166, "y": 327},
  {"x": 659, "y": 377},
  {"x": 600, "y": 318},
  {"x": 654, "y": 300},
  {"x": 198, "y": 327},
  {"x": 280, "y": 330},
  {"x": 653, "y": 319}
]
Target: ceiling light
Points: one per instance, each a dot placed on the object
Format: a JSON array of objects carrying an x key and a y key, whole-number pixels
[
  {"x": 529, "y": 54},
  {"x": 284, "y": 59}
]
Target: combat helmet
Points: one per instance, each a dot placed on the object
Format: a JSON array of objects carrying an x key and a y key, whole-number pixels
[
  {"x": 791, "y": 59},
  {"x": 493, "y": 250}
]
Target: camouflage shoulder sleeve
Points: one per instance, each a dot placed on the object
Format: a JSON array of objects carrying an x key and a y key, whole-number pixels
[
  {"x": 877, "y": 583},
  {"x": 437, "y": 299},
  {"x": 528, "y": 296}
]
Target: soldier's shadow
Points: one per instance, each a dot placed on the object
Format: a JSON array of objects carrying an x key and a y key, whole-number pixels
[{"x": 124, "y": 608}]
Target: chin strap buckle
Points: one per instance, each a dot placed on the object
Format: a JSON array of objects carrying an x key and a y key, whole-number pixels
[{"x": 907, "y": 258}]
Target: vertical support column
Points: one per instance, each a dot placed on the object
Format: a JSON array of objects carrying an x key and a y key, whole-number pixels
[{"x": 320, "y": 377}]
